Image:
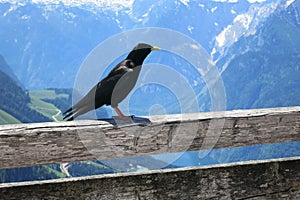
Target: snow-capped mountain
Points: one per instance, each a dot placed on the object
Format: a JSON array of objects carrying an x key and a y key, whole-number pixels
[
  {"x": 262, "y": 69},
  {"x": 45, "y": 41},
  {"x": 254, "y": 43}
]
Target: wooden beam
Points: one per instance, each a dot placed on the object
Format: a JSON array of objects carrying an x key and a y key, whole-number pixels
[
  {"x": 267, "y": 179},
  {"x": 60, "y": 142}
]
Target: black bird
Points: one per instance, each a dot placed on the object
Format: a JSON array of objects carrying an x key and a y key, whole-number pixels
[{"x": 115, "y": 86}]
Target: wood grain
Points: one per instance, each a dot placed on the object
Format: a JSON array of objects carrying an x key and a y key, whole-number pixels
[{"x": 60, "y": 142}]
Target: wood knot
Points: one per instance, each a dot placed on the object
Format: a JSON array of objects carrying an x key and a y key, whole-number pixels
[{"x": 295, "y": 186}]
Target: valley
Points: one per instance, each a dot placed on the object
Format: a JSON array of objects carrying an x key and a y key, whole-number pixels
[{"x": 254, "y": 44}]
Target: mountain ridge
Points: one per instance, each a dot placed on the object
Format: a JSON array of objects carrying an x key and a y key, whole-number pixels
[
  {"x": 267, "y": 64},
  {"x": 46, "y": 43},
  {"x": 18, "y": 105}
]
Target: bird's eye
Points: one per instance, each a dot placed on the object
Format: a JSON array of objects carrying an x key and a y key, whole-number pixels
[{"x": 131, "y": 64}]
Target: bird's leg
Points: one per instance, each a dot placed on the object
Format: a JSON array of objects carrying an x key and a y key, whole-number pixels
[{"x": 120, "y": 114}]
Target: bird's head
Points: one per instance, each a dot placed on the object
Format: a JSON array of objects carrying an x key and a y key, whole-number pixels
[
  {"x": 140, "y": 52},
  {"x": 144, "y": 46}
]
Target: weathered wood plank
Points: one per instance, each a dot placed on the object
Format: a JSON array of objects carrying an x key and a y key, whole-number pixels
[
  {"x": 59, "y": 142},
  {"x": 268, "y": 179}
]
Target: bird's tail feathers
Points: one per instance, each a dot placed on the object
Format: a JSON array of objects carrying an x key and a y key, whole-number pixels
[
  {"x": 74, "y": 112},
  {"x": 67, "y": 111},
  {"x": 69, "y": 114}
]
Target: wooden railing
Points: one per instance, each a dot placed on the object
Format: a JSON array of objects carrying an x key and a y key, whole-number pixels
[{"x": 60, "y": 142}]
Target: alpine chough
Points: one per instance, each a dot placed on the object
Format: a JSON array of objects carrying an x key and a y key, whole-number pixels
[{"x": 115, "y": 86}]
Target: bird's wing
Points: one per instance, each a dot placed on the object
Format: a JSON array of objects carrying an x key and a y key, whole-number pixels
[
  {"x": 100, "y": 94},
  {"x": 105, "y": 88},
  {"x": 122, "y": 68}
]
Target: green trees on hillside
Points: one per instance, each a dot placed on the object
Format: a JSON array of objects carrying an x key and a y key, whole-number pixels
[{"x": 14, "y": 101}]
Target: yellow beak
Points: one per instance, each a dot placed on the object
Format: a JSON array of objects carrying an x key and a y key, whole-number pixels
[{"x": 155, "y": 48}]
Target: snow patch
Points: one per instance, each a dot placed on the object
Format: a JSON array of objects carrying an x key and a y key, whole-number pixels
[
  {"x": 104, "y": 4},
  {"x": 233, "y": 12},
  {"x": 214, "y": 9},
  {"x": 12, "y": 8},
  {"x": 228, "y": 1},
  {"x": 221, "y": 38},
  {"x": 25, "y": 17},
  {"x": 288, "y": 3},
  {"x": 201, "y": 5},
  {"x": 243, "y": 19},
  {"x": 195, "y": 83},
  {"x": 185, "y": 2},
  {"x": 190, "y": 28},
  {"x": 243, "y": 25},
  {"x": 256, "y": 1}
]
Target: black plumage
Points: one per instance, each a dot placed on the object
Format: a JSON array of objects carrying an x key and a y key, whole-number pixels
[{"x": 115, "y": 86}]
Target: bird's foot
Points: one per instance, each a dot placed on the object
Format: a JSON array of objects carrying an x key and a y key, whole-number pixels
[{"x": 121, "y": 116}]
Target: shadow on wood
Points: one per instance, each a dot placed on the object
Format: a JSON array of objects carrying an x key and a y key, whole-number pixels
[{"x": 132, "y": 120}]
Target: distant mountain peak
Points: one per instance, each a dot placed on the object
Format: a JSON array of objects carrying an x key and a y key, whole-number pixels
[
  {"x": 244, "y": 24},
  {"x": 45, "y": 41},
  {"x": 104, "y": 4}
]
